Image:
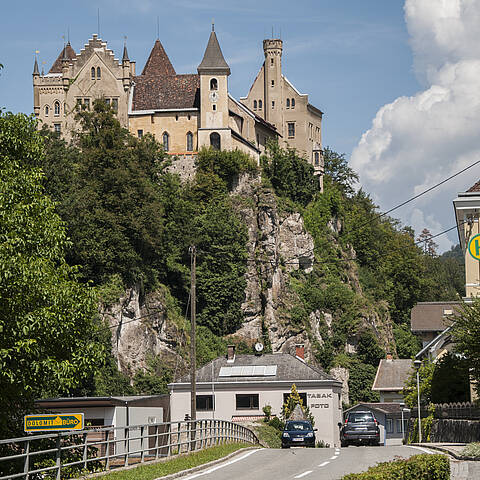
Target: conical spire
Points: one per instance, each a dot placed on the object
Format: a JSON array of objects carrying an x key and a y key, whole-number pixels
[
  {"x": 213, "y": 59},
  {"x": 67, "y": 51},
  {"x": 158, "y": 62},
  {"x": 65, "y": 56},
  {"x": 35, "y": 67},
  {"x": 125, "y": 54}
]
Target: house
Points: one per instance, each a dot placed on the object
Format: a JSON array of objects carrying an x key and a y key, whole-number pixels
[
  {"x": 389, "y": 416},
  {"x": 392, "y": 374},
  {"x": 118, "y": 412},
  {"x": 237, "y": 387}
]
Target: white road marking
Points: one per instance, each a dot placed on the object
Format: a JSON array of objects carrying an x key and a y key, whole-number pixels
[
  {"x": 210, "y": 470},
  {"x": 334, "y": 457},
  {"x": 303, "y": 474},
  {"x": 323, "y": 464},
  {"x": 422, "y": 449}
]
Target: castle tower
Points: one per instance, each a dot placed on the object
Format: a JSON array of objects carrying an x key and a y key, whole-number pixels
[
  {"x": 273, "y": 104},
  {"x": 214, "y": 71}
]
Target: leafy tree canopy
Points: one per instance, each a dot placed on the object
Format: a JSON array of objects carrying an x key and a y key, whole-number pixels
[{"x": 46, "y": 315}]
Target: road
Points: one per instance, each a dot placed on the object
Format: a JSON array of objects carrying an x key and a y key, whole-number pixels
[{"x": 305, "y": 463}]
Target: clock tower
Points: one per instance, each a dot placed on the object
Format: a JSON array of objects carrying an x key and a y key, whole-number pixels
[{"x": 213, "y": 129}]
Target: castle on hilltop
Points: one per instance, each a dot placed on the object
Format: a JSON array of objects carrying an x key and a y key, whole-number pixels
[{"x": 184, "y": 112}]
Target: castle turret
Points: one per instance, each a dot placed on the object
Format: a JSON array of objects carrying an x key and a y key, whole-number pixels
[
  {"x": 272, "y": 48},
  {"x": 126, "y": 69},
  {"x": 214, "y": 71},
  {"x": 36, "y": 90},
  {"x": 65, "y": 68}
]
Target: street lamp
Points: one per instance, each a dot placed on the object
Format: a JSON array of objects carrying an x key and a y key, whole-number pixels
[
  {"x": 404, "y": 410},
  {"x": 417, "y": 364}
]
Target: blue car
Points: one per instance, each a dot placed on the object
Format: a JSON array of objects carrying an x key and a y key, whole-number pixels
[{"x": 298, "y": 433}]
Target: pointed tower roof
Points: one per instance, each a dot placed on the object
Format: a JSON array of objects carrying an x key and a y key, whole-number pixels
[
  {"x": 158, "y": 62},
  {"x": 125, "y": 54},
  {"x": 35, "y": 67},
  {"x": 213, "y": 60},
  {"x": 68, "y": 53}
]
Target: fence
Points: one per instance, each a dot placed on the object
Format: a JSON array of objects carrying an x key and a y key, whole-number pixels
[
  {"x": 461, "y": 410},
  {"x": 69, "y": 454}
]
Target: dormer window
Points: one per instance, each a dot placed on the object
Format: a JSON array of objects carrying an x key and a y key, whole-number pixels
[
  {"x": 92, "y": 71},
  {"x": 254, "y": 104},
  {"x": 56, "y": 108},
  {"x": 99, "y": 73},
  {"x": 213, "y": 84}
]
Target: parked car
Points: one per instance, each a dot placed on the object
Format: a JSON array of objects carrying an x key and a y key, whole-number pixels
[
  {"x": 298, "y": 432},
  {"x": 360, "y": 427}
]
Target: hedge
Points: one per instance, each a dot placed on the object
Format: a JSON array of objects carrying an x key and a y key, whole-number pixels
[{"x": 418, "y": 467}]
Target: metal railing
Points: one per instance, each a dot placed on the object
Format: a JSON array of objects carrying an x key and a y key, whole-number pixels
[{"x": 72, "y": 454}]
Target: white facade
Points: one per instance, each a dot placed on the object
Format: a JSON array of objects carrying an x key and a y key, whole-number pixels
[{"x": 323, "y": 400}]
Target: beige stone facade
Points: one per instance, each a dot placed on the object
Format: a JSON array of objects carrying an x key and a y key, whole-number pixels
[
  {"x": 75, "y": 81},
  {"x": 274, "y": 98}
]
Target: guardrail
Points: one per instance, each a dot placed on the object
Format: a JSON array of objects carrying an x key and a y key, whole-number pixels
[{"x": 71, "y": 454}]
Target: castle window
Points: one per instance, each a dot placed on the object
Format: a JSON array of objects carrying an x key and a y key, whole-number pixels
[
  {"x": 166, "y": 141},
  {"x": 189, "y": 117},
  {"x": 273, "y": 83},
  {"x": 115, "y": 104},
  {"x": 47, "y": 110},
  {"x": 99, "y": 73},
  {"x": 64, "y": 109},
  {"x": 273, "y": 104},
  {"x": 317, "y": 159},
  {"x": 107, "y": 101},
  {"x": 271, "y": 61},
  {"x": 79, "y": 103},
  {"x": 214, "y": 107},
  {"x": 56, "y": 109},
  {"x": 288, "y": 103},
  {"x": 57, "y": 127},
  {"x": 86, "y": 102},
  {"x": 140, "y": 133},
  {"x": 260, "y": 104},
  {"x": 213, "y": 84},
  {"x": 293, "y": 103},
  {"x": 215, "y": 140},
  {"x": 93, "y": 73},
  {"x": 189, "y": 142},
  {"x": 291, "y": 129},
  {"x": 176, "y": 117},
  {"x": 254, "y": 104}
]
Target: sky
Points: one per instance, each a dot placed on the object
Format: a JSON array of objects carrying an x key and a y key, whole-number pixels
[{"x": 396, "y": 80}]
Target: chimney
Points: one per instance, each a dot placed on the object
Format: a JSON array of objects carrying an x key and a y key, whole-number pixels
[
  {"x": 389, "y": 357},
  {"x": 230, "y": 353},
  {"x": 300, "y": 351}
]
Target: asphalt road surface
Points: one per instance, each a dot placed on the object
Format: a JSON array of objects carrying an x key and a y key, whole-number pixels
[{"x": 304, "y": 463}]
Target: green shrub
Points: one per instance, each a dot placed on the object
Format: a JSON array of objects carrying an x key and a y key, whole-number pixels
[
  {"x": 418, "y": 467},
  {"x": 275, "y": 422},
  {"x": 472, "y": 450}
]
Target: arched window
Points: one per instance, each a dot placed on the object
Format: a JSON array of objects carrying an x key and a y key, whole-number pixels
[
  {"x": 260, "y": 104},
  {"x": 215, "y": 140},
  {"x": 47, "y": 110},
  {"x": 93, "y": 73},
  {"x": 56, "y": 109},
  {"x": 213, "y": 84},
  {"x": 288, "y": 103},
  {"x": 99, "y": 73},
  {"x": 293, "y": 103},
  {"x": 189, "y": 142},
  {"x": 317, "y": 159},
  {"x": 254, "y": 104},
  {"x": 166, "y": 141}
]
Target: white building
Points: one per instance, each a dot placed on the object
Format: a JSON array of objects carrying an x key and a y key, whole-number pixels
[{"x": 237, "y": 387}]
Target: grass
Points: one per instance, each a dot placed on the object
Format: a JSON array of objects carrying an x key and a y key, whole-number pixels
[
  {"x": 177, "y": 464},
  {"x": 268, "y": 435},
  {"x": 472, "y": 450}
]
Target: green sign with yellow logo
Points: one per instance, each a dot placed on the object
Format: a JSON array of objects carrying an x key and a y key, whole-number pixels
[
  {"x": 53, "y": 422},
  {"x": 474, "y": 247}
]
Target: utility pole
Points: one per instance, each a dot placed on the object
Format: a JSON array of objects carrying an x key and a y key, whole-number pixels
[{"x": 193, "y": 387}]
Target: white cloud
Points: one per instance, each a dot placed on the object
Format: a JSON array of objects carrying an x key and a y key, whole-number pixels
[{"x": 417, "y": 141}]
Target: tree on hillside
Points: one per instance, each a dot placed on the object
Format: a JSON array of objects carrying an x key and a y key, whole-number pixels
[
  {"x": 429, "y": 246},
  {"x": 46, "y": 315},
  {"x": 337, "y": 171}
]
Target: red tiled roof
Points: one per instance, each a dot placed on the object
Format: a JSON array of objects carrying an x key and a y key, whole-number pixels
[
  {"x": 158, "y": 62},
  {"x": 166, "y": 92},
  {"x": 475, "y": 188},
  {"x": 57, "y": 65}
]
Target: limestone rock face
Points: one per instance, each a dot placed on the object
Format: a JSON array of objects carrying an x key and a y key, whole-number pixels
[
  {"x": 140, "y": 327},
  {"x": 342, "y": 374}
]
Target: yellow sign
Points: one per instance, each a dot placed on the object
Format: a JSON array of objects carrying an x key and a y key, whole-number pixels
[
  {"x": 53, "y": 422},
  {"x": 474, "y": 247}
]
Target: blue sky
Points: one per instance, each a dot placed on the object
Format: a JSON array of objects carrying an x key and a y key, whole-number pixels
[{"x": 379, "y": 69}]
